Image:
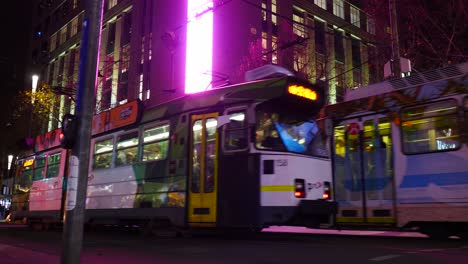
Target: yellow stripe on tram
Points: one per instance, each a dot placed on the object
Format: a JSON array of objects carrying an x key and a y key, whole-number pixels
[{"x": 277, "y": 188}]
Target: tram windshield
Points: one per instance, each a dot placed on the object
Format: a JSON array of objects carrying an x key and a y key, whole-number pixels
[{"x": 289, "y": 131}]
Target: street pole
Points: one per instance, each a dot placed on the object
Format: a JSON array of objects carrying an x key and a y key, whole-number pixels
[
  {"x": 79, "y": 159},
  {"x": 395, "y": 62}
]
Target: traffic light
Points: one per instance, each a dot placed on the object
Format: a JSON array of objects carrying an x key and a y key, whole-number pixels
[{"x": 69, "y": 131}]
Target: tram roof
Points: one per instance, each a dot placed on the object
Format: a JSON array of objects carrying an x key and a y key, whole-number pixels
[
  {"x": 254, "y": 91},
  {"x": 391, "y": 95},
  {"x": 415, "y": 79}
]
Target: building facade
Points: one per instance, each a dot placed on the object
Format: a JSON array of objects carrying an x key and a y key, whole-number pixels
[{"x": 159, "y": 50}]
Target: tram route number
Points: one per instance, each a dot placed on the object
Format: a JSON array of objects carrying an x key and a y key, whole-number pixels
[{"x": 281, "y": 163}]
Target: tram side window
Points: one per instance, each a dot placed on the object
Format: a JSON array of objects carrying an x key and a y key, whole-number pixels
[
  {"x": 127, "y": 149},
  {"x": 53, "y": 165},
  {"x": 103, "y": 153},
  {"x": 431, "y": 127},
  {"x": 24, "y": 176},
  {"x": 236, "y": 132},
  {"x": 155, "y": 143},
  {"x": 39, "y": 166}
]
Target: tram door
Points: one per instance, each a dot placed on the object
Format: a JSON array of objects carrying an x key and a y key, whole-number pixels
[
  {"x": 363, "y": 171},
  {"x": 203, "y": 175}
]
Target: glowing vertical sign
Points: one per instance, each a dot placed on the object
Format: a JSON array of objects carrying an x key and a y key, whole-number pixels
[{"x": 199, "y": 50}]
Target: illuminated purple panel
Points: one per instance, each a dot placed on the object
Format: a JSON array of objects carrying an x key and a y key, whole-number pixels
[{"x": 199, "y": 60}]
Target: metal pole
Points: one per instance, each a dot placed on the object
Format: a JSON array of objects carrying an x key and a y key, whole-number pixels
[
  {"x": 78, "y": 164},
  {"x": 395, "y": 63}
]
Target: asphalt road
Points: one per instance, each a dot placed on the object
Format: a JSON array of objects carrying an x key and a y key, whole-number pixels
[{"x": 19, "y": 245}]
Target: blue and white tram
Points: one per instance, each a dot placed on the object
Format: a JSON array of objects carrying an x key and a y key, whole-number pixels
[{"x": 400, "y": 155}]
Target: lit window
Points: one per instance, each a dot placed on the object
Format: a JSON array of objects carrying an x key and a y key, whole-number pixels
[
  {"x": 53, "y": 165},
  {"x": 127, "y": 149},
  {"x": 236, "y": 132},
  {"x": 103, "y": 153},
  {"x": 321, "y": 3},
  {"x": 140, "y": 88},
  {"x": 371, "y": 26},
  {"x": 74, "y": 27},
  {"x": 39, "y": 165},
  {"x": 112, "y": 3},
  {"x": 430, "y": 128},
  {"x": 274, "y": 19},
  {"x": 63, "y": 35},
  {"x": 354, "y": 13},
  {"x": 300, "y": 50},
  {"x": 155, "y": 143},
  {"x": 338, "y": 8}
]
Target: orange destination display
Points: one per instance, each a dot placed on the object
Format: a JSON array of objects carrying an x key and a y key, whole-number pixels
[{"x": 302, "y": 91}]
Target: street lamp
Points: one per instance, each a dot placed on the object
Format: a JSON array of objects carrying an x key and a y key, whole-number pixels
[
  {"x": 35, "y": 78},
  {"x": 10, "y": 160}
]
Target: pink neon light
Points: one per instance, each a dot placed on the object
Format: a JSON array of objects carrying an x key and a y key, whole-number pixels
[{"x": 199, "y": 58}]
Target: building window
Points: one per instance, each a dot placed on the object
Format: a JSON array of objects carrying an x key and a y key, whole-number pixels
[
  {"x": 274, "y": 18},
  {"x": 321, "y": 3},
  {"x": 340, "y": 74},
  {"x": 269, "y": 33},
  {"x": 111, "y": 4},
  {"x": 63, "y": 35},
  {"x": 126, "y": 29},
  {"x": 319, "y": 36},
  {"x": 74, "y": 27},
  {"x": 300, "y": 50},
  {"x": 274, "y": 48},
  {"x": 142, "y": 61},
  {"x": 110, "y": 38},
  {"x": 53, "y": 41},
  {"x": 150, "y": 48},
  {"x": 140, "y": 88},
  {"x": 371, "y": 26},
  {"x": 339, "y": 46},
  {"x": 356, "y": 53},
  {"x": 354, "y": 14},
  {"x": 320, "y": 66},
  {"x": 338, "y": 8}
]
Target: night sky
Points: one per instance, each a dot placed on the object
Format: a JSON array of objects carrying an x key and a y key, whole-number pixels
[{"x": 15, "y": 24}]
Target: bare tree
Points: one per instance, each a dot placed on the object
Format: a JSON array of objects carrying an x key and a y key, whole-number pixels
[{"x": 432, "y": 34}]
